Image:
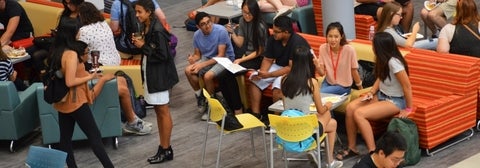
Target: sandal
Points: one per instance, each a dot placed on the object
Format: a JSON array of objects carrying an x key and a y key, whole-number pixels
[{"x": 346, "y": 154}]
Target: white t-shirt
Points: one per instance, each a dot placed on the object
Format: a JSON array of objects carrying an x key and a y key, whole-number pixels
[
  {"x": 448, "y": 31},
  {"x": 392, "y": 86},
  {"x": 99, "y": 37}
]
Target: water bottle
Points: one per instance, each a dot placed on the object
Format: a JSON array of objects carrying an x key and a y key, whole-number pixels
[{"x": 371, "y": 33}]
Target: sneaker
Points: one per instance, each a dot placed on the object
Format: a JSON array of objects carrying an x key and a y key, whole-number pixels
[
  {"x": 204, "y": 116},
  {"x": 312, "y": 156},
  {"x": 283, "y": 12},
  {"x": 201, "y": 103},
  {"x": 335, "y": 164},
  {"x": 138, "y": 128},
  {"x": 145, "y": 123}
]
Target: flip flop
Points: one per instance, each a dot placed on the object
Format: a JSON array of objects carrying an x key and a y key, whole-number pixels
[{"x": 346, "y": 154}]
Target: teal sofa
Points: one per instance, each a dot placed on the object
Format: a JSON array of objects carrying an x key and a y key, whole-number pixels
[
  {"x": 18, "y": 112},
  {"x": 106, "y": 111}
]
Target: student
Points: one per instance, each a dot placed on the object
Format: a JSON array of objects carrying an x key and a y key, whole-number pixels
[
  {"x": 390, "y": 96},
  {"x": 96, "y": 33},
  {"x": 15, "y": 22},
  {"x": 158, "y": 75},
  {"x": 338, "y": 62},
  {"x": 7, "y": 73},
  {"x": 210, "y": 40},
  {"x": 300, "y": 88},
  {"x": 390, "y": 17},
  {"x": 374, "y": 8},
  {"x": 390, "y": 152},
  {"x": 436, "y": 18},
  {"x": 455, "y": 36},
  {"x": 70, "y": 55},
  {"x": 278, "y": 53}
]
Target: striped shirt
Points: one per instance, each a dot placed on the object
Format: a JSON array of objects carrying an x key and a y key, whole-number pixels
[{"x": 6, "y": 69}]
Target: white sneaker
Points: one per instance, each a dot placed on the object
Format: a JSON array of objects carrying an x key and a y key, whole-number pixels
[
  {"x": 335, "y": 164},
  {"x": 204, "y": 116},
  {"x": 138, "y": 128}
]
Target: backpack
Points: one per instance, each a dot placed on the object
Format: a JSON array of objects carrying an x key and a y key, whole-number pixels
[
  {"x": 190, "y": 25},
  {"x": 295, "y": 146},
  {"x": 408, "y": 129},
  {"x": 138, "y": 103},
  {"x": 366, "y": 70},
  {"x": 129, "y": 24}
]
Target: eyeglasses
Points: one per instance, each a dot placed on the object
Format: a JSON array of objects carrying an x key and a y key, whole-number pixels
[
  {"x": 246, "y": 13},
  {"x": 203, "y": 24},
  {"x": 399, "y": 14},
  {"x": 396, "y": 160}
]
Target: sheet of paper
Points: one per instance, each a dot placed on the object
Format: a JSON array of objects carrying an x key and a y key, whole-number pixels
[{"x": 229, "y": 65}]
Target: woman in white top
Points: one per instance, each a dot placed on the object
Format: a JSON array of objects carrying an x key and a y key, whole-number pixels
[
  {"x": 390, "y": 17},
  {"x": 97, "y": 34}
]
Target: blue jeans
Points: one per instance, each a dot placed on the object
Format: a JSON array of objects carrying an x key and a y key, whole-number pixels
[
  {"x": 398, "y": 101},
  {"x": 334, "y": 89}
]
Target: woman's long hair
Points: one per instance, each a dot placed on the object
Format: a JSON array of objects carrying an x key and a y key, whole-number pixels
[
  {"x": 89, "y": 13},
  {"x": 339, "y": 27},
  {"x": 66, "y": 10},
  {"x": 257, "y": 23},
  {"x": 298, "y": 81},
  {"x": 384, "y": 48},
  {"x": 467, "y": 13},
  {"x": 388, "y": 12},
  {"x": 64, "y": 40}
]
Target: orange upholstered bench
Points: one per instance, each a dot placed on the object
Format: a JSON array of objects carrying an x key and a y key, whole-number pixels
[{"x": 445, "y": 93}]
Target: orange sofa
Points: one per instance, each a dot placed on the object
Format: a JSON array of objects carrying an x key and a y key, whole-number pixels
[{"x": 445, "y": 93}]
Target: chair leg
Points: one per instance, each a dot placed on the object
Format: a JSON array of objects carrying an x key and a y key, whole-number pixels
[
  {"x": 264, "y": 145},
  {"x": 219, "y": 148},
  {"x": 271, "y": 148},
  {"x": 327, "y": 150},
  {"x": 204, "y": 145},
  {"x": 285, "y": 158},
  {"x": 253, "y": 143}
]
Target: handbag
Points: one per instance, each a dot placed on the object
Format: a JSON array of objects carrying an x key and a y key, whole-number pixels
[
  {"x": 56, "y": 87},
  {"x": 43, "y": 42},
  {"x": 231, "y": 122}
]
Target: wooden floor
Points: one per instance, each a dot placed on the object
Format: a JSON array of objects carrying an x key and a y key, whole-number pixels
[{"x": 188, "y": 130}]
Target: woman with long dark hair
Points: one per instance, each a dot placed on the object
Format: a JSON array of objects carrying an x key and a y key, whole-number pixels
[
  {"x": 390, "y": 96},
  {"x": 69, "y": 56},
  {"x": 300, "y": 88},
  {"x": 159, "y": 74}
]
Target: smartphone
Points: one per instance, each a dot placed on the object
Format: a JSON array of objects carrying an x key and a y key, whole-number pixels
[
  {"x": 93, "y": 70},
  {"x": 366, "y": 98}
]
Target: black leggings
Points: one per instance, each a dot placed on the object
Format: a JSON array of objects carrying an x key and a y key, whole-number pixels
[{"x": 83, "y": 116}]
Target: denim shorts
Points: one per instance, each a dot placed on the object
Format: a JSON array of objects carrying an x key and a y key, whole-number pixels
[{"x": 398, "y": 101}]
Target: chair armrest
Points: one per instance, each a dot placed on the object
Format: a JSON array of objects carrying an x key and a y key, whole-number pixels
[{"x": 305, "y": 18}]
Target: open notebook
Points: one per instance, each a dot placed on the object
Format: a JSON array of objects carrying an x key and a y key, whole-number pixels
[{"x": 229, "y": 65}]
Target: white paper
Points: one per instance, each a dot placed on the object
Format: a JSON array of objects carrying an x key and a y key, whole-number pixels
[{"x": 229, "y": 65}]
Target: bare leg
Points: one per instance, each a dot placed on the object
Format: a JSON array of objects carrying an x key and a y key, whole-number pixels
[
  {"x": 192, "y": 78},
  {"x": 406, "y": 22},
  {"x": 437, "y": 17},
  {"x": 124, "y": 97},
  {"x": 424, "y": 15},
  {"x": 255, "y": 98},
  {"x": 208, "y": 79},
  {"x": 276, "y": 94},
  {"x": 164, "y": 123}
]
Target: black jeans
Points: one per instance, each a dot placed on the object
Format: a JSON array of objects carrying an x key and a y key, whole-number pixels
[
  {"x": 229, "y": 87},
  {"x": 83, "y": 116}
]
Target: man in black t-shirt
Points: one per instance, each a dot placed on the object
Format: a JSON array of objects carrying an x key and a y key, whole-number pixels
[
  {"x": 390, "y": 151},
  {"x": 276, "y": 62},
  {"x": 14, "y": 19}
]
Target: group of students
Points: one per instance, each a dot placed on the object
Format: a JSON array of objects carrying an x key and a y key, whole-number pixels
[{"x": 82, "y": 29}]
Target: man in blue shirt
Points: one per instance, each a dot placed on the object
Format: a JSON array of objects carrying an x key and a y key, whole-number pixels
[{"x": 210, "y": 40}]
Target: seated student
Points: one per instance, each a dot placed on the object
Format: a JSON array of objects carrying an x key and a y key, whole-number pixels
[
  {"x": 338, "y": 62},
  {"x": 15, "y": 22},
  {"x": 436, "y": 18},
  {"x": 300, "y": 88},
  {"x": 390, "y": 17},
  {"x": 209, "y": 41},
  {"x": 455, "y": 37},
  {"x": 277, "y": 62},
  {"x": 7, "y": 73},
  {"x": 390, "y": 96},
  {"x": 374, "y": 8},
  {"x": 390, "y": 152}
]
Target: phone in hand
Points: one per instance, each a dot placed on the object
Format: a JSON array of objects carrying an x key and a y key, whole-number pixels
[
  {"x": 367, "y": 97},
  {"x": 95, "y": 69}
]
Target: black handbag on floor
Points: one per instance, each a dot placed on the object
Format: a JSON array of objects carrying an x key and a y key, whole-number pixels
[{"x": 231, "y": 122}]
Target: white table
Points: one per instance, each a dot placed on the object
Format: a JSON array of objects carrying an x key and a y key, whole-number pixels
[
  {"x": 20, "y": 59},
  {"x": 222, "y": 10},
  {"x": 278, "y": 105}
]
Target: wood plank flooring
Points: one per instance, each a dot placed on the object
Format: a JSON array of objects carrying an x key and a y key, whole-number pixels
[{"x": 188, "y": 130}]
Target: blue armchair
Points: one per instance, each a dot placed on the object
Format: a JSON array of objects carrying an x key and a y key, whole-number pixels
[
  {"x": 18, "y": 112},
  {"x": 106, "y": 111}
]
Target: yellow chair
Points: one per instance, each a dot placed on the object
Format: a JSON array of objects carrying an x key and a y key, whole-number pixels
[
  {"x": 296, "y": 129},
  {"x": 217, "y": 113}
]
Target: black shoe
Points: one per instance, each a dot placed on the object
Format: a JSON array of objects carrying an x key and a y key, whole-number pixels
[{"x": 162, "y": 155}]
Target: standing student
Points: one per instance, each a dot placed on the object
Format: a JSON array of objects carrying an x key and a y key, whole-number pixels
[
  {"x": 69, "y": 55},
  {"x": 158, "y": 74},
  {"x": 390, "y": 96},
  {"x": 300, "y": 88},
  {"x": 338, "y": 62}
]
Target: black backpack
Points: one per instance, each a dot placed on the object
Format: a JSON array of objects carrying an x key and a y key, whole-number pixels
[
  {"x": 138, "y": 103},
  {"x": 129, "y": 24}
]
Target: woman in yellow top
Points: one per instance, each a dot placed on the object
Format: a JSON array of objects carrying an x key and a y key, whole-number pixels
[{"x": 68, "y": 56}]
